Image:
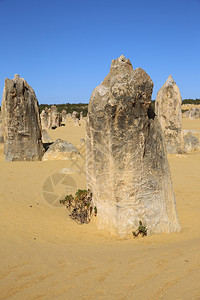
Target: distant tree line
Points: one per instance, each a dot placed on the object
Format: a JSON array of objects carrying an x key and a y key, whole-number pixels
[
  {"x": 191, "y": 101},
  {"x": 68, "y": 107},
  {"x": 185, "y": 101}
]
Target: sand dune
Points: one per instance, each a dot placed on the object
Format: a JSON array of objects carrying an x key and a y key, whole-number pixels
[{"x": 46, "y": 255}]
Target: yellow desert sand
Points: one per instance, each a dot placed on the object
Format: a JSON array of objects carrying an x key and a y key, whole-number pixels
[{"x": 46, "y": 255}]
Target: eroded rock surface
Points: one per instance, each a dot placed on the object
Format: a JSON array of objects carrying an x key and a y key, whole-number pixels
[
  {"x": 55, "y": 117},
  {"x": 1, "y": 135},
  {"x": 194, "y": 113},
  {"x": 127, "y": 168},
  {"x": 64, "y": 116},
  {"x": 74, "y": 115},
  {"x": 190, "y": 141},
  {"x": 46, "y": 139},
  {"x": 45, "y": 119},
  {"x": 61, "y": 150},
  {"x": 185, "y": 114},
  {"x": 168, "y": 109},
  {"x": 21, "y": 121}
]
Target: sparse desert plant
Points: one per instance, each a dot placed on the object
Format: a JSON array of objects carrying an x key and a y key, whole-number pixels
[
  {"x": 80, "y": 206},
  {"x": 142, "y": 229},
  {"x": 95, "y": 211}
]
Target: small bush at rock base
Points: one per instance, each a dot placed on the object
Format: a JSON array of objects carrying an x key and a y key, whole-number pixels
[
  {"x": 80, "y": 206},
  {"x": 142, "y": 229}
]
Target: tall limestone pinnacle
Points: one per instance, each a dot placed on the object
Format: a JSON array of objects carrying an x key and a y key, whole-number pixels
[
  {"x": 127, "y": 168},
  {"x": 21, "y": 121},
  {"x": 168, "y": 109}
]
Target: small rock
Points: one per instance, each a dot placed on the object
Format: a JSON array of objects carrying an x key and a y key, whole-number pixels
[
  {"x": 191, "y": 142},
  {"x": 61, "y": 150}
]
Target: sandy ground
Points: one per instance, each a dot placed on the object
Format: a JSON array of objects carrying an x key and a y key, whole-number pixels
[{"x": 46, "y": 255}]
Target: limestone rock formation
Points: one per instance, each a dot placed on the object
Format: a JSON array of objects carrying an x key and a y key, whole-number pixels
[
  {"x": 185, "y": 114},
  {"x": 194, "y": 113},
  {"x": 190, "y": 142},
  {"x": 21, "y": 121},
  {"x": 55, "y": 117},
  {"x": 127, "y": 168},
  {"x": 46, "y": 139},
  {"x": 81, "y": 115},
  {"x": 168, "y": 109},
  {"x": 74, "y": 115},
  {"x": 64, "y": 116},
  {"x": 69, "y": 116},
  {"x": 51, "y": 118},
  {"x": 61, "y": 150},
  {"x": 45, "y": 119}
]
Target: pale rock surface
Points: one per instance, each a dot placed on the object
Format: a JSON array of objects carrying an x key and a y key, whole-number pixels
[
  {"x": 46, "y": 139},
  {"x": 64, "y": 116},
  {"x": 127, "y": 167},
  {"x": 186, "y": 114},
  {"x": 74, "y": 115},
  {"x": 69, "y": 116},
  {"x": 168, "y": 109},
  {"x": 194, "y": 113},
  {"x": 45, "y": 119},
  {"x": 21, "y": 121},
  {"x": 55, "y": 117},
  {"x": 61, "y": 150},
  {"x": 190, "y": 142},
  {"x": 81, "y": 115}
]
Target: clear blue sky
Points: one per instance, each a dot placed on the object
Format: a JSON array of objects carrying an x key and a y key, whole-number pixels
[{"x": 64, "y": 48}]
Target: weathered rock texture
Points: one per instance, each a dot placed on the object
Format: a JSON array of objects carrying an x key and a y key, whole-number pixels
[
  {"x": 55, "y": 117},
  {"x": 190, "y": 142},
  {"x": 45, "y": 119},
  {"x": 127, "y": 167},
  {"x": 69, "y": 116},
  {"x": 21, "y": 121},
  {"x": 168, "y": 109},
  {"x": 61, "y": 150},
  {"x": 46, "y": 139},
  {"x": 1, "y": 135},
  {"x": 185, "y": 114},
  {"x": 64, "y": 116},
  {"x": 74, "y": 115},
  {"x": 194, "y": 113}
]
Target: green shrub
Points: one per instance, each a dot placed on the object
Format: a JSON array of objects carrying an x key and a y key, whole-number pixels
[
  {"x": 80, "y": 206},
  {"x": 142, "y": 229}
]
